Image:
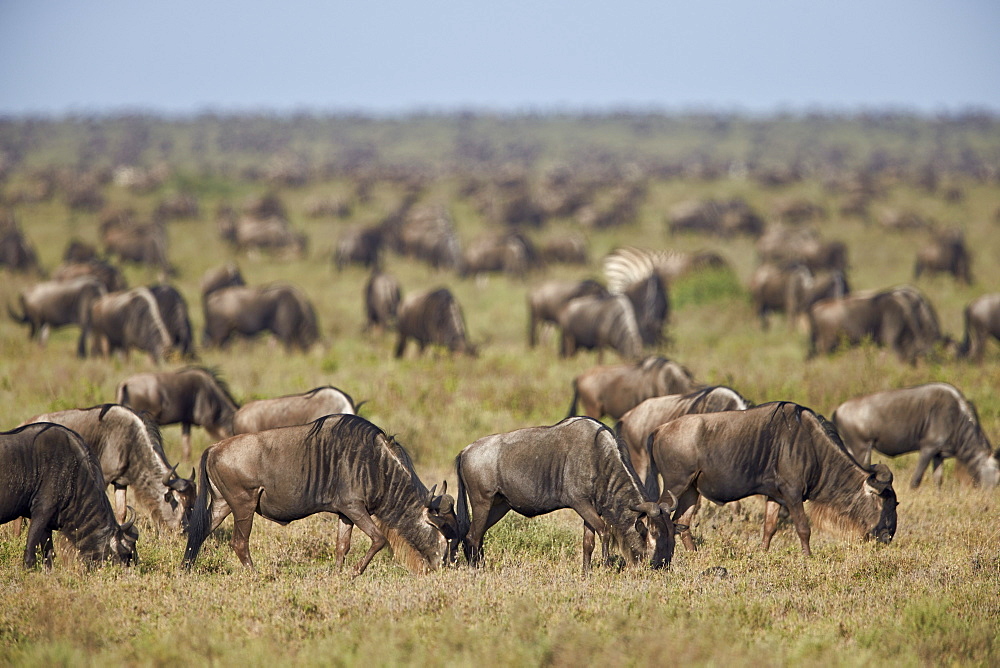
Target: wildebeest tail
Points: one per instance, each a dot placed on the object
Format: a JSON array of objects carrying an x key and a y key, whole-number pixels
[
  {"x": 572, "y": 404},
  {"x": 201, "y": 521},
  {"x": 462, "y": 508},
  {"x": 23, "y": 318}
]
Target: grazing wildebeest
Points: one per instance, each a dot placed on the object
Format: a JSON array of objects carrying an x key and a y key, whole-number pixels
[
  {"x": 281, "y": 309},
  {"x": 174, "y": 312},
  {"x": 946, "y": 253},
  {"x": 339, "y": 464},
  {"x": 109, "y": 275},
  {"x": 189, "y": 396},
  {"x": 547, "y": 300},
  {"x": 599, "y": 322},
  {"x": 227, "y": 275},
  {"x": 129, "y": 450},
  {"x": 782, "y": 450},
  {"x": 577, "y": 463},
  {"x": 16, "y": 251},
  {"x": 126, "y": 320},
  {"x": 637, "y": 424},
  {"x": 511, "y": 254},
  {"x": 792, "y": 289},
  {"x": 292, "y": 409},
  {"x": 934, "y": 419},
  {"x": 982, "y": 320},
  {"x": 359, "y": 246},
  {"x": 382, "y": 297},
  {"x": 51, "y": 478},
  {"x": 433, "y": 317},
  {"x": 57, "y": 304},
  {"x": 615, "y": 389},
  {"x": 139, "y": 243}
]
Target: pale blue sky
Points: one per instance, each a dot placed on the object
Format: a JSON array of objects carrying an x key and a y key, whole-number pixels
[{"x": 185, "y": 56}]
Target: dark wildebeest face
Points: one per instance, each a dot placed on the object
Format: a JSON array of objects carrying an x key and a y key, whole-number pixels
[
  {"x": 656, "y": 533},
  {"x": 440, "y": 514},
  {"x": 880, "y": 492},
  {"x": 121, "y": 547}
]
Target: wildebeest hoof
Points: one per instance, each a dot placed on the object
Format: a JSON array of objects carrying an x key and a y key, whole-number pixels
[{"x": 715, "y": 571}]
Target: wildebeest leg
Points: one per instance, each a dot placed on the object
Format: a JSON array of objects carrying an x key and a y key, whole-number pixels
[
  {"x": 186, "y": 441},
  {"x": 243, "y": 513},
  {"x": 400, "y": 345},
  {"x": 363, "y": 520},
  {"x": 482, "y": 520},
  {"x": 120, "y": 506},
  {"x": 43, "y": 335},
  {"x": 48, "y": 552},
  {"x": 592, "y": 523},
  {"x": 344, "y": 528},
  {"x": 801, "y": 521},
  {"x": 38, "y": 535},
  {"x": 937, "y": 469},
  {"x": 771, "y": 508},
  {"x": 926, "y": 454}
]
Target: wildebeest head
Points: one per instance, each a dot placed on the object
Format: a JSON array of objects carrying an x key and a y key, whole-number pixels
[
  {"x": 181, "y": 492},
  {"x": 121, "y": 546},
  {"x": 879, "y": 490},
  {"x": 440, "y": 514},
  {"x": 654, "y": 537}
]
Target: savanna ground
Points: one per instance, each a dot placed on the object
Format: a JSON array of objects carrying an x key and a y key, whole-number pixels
[{"x": 931, "y": 597}]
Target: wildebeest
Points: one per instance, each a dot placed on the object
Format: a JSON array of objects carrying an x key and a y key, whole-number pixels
[
  {"x": 946, "y": 253},
  {"x": 57, "y": 304},
  {"x": 109, "y": 275},
  {"x": 140, "y": 243},
  {"x": 636, "y": 425},
  {"x": 782, "y": 450},
  {"x": 598, "y": 322},
  {"x": 982, "y": 320},
  {"x": 341, "y": 464},
  {"x": 511, "y": 254},
  {"x": 126, "y": 320},
  {"x": 174, "y": 312},
  {"x": 281, "y": 309},
  {"x": 783, "y": 244},
  {"x": 577, "y": 463},
  {"x": 792, "y": 289},
  {"x": 615, "y": 389},
  {"x": 934, "y": 419},
  {"x": 16, "y": 251},
  {"x": 547, "y": 300},
  {"x": 292, "y": 409},
  {"x": 361, "y": 246},
  {"x": 129, "y": 450},
  {"x": 432, "y": 317},
  {"x": 224, "y": 276},
  {"x": 900, "y": 318},
  {"x": 51, "y": 478},
  {"x": 189, "y": 396},
  {"x": 382, "y": 297}
]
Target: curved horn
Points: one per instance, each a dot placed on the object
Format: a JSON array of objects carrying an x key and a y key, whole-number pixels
[
  {"x": 882, "y": 473},
  {"x": 672, "y": 506},
  {"x": 444, "y": 487},
  {"x": 170, "y": 475},
  {"x": 129, "y": 519},
  {"x": 647, "y": 508}
]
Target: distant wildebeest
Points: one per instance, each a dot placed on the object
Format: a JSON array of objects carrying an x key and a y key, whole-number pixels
[
  {"x": 271, "y": 233},
  {"x": 127, "y": 320},
  {"x": 382, "y": 298},
  {"x": 982, "y": 320},
  {"x": 636, "y": 425},
  {"x": 547, "y": 300},
  {"x": 140, "y": 243},
  {"x": 292, "y": 409},
  {"x": 782, "y": 450},
  {"x": 16, "y": 252},
  {"x": 432, "y": 317},
  {"x": 615, "y": 389},
  {"x": 129, "y": 450},
  {"x": 946, "y": 253},
  {"x": 783, "y": 244},
  {"x": 189, "y": 396},
  {"x": 57, "y": 304},
  {"x": 898, "y": 318},
  {"x": 174, "y": 312},
  {"x": 577, "y": 463},
  {"x": 564, "y": 249},
  {"x": 792, "y": 289},
  {"x": 109, "y": 275},
  {"x": 51, "y": 478},
  {"x": 281, "y": 309},
  {"x": 340, "y": 464},
  {"x": 934, "y": 419},
  {"x": 225, "y": 276},
  {"x": 511, "y": 253},
  {"x": 361, "y": 246},
  {"x": 723, "y": 218},
  {"x": 598, "y": 322}
]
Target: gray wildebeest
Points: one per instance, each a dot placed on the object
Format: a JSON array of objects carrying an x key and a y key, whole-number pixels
[
  {"x": 382, "y": 297},
  {"x": 934, "y": 419},
  {"x": 636, "y": 425},
  {"x": 339, "y": 464},
  {"x": 615, "y": 389},
  {"x": 782, "y": 450},
  {"x": 292, "y": 409},
  {"x": 577, "y": 463},
  {"x": 599, "y": 322},
  {"x": 189, "y": 396},
  {"x": 225, "y": 276},
  {"x": 129, "y": 451},
  {"x": 946, "y": 254},
  {"x": 127, "y": 320},
  {"x": 280, "y": 309},
  {"x": 792, "y": 289},
  {"x": 547, "y": 300},
  {"x": 982, "y": 321},
  {"x": 433, "y": 317},
  {"x": 51, "y": 478},
  {"x": 57, "y": 304}
]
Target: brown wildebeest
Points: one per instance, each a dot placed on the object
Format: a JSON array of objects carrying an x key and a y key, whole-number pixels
[
  {"x": 982, "y": 321},
  {"x": 16, "y": 252},
  {"x": 189, "y": 396},
  {"x": 126, "y": 320},
  {"x": 934, "y": 419},
  {"x": 615, "y": 389},
  {"x": 599, "y": 322},
  {"x": 221, "y": 277},
  {"x": 129, "y": 450},
  {"x": 783, "y": 244},
  {"x": 547, "y": 300},
  {"x": 433, "y": 317},
  {"x": 292, "y": 409},
  {"x": 792, "y": 289},
  {"x": 782, "y": 450},
  {"x": 109, "y": 275},
  {"x": 339, "y": 464},
  {"x": 382, "y": 297},
  {"x": 50, "y": 477},
  {"x": 577, "y": 463},
  {"x": 512, "y": 254},
  {"x": 362, "y": 246},
  {"x": 57, "y": 304},
  {"x": 637, "y": 424},
  {"x": 140, "y": 243},
  {"x": 946, "y": 253},
  {"x": 281, "y": 309}
]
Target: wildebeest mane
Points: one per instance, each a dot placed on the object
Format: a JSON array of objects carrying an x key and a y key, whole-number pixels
[
  {"x": 214, "y": 373},
  {"x": 703, "y": 399}
]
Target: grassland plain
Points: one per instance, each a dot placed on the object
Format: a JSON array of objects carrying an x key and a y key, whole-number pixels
[{"x": 929, "y": 598}]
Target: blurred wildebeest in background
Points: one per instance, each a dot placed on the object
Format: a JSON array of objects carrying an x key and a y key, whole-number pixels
[
  {"x": 636, "y": 425},
  {"x": 109, "y": 275},
  {"x": 432, "y": 317},
  {"x": 129, "y": 450},
  {"x": 225, "y": 276},
  {"x": 782, "y": 244},
  {"x": 189, "y": 396},
  {"x": 361, "y": 246},
  {"x": 50, "y": 477},
  {"x": 292, "y": 409},
  {"x": 715, "y": 217},
  {"x": 577, "y": 463},
  {"x": 426, "y": 233},
  {"x": 130, "y": 241},
  {"x": 79, "y": 251},
  {"x": 249, "y": 310},
  {"x": 934, "y": 419},
  {"x": 340, "y": 464},
  {"x": 547, "y": 300},
  {"x": 615, "y": 389},
  {"x": 126, "y": 320},
  {"x": 946, "y": 253},
  {"x": 513, "y": 254},
  {"x": 56, "y": 304},
  {"x": 382, "y": 298},
  {"x": 982, "y": 320},
  {"x": 174, "y": 312},
  {"x": 792, "y": 289},
  {"x": 16, "y": 252},
  {"x": 596, "y": 322},
  {"x": 564, "y": 249},
  {"x": 263, "y": 226},
  {"x": 781, "y": 450}
]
